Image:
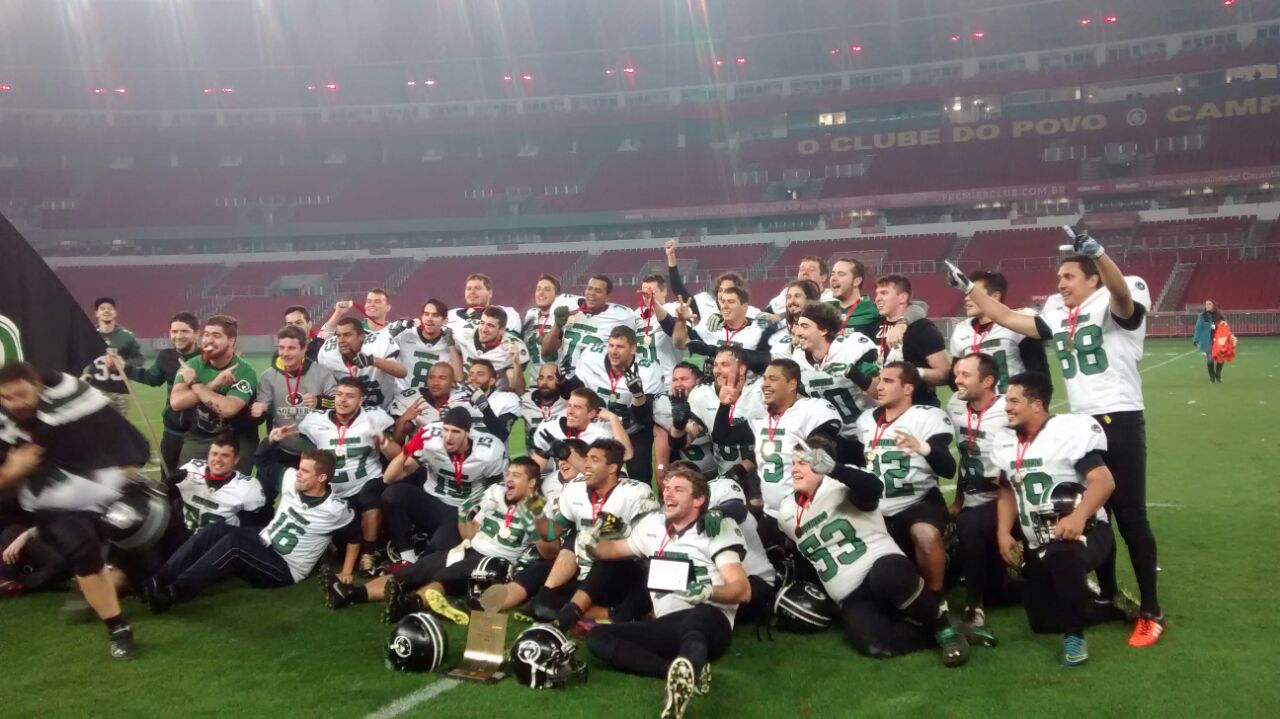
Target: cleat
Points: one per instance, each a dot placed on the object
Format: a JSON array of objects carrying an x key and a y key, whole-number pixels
[
  {"x": 122, "y": 642},
  {"x": 1075, "y": 651},
  {"x": 955, "y": 650},
  {"x": 367, "y": 565},
  {"x": 976, "y": 630},
  {"x": 399, "y": 603},
  {"x": 158, "y": 596},
  {"x": 1127, "y": 605},
  {"x": 704, "y": 680},
  {"x": 679, "y": 690},
  {"x": 338, "y": 595},
  {"x": 1147, "y": 631},
  {"x": 439, "y": 604}
]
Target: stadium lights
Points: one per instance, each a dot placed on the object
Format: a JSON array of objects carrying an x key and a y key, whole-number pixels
[
  {"x": 740, "y": 60},
  {"x": 1110, "y": 19},
  {"x": 429, "y": 83},
  {"x": 412, "y": 83},
  {"x": 834, "y": 51},
  {"x": 1228, "y": 3},
  {"x": 1085, "y": 21},
  {"x": 120, "y": 91},
  {"x": 608, "y": 71},
  {"x": 6, "y": 88},
  {"x": 979, "y": 34},
  {"x": 527, "y": 77},
  {"x": 506, "y": 78},
  {"x": 856, "y": 49},
  {"x": 311, "y": 88},
  {"x": 955, "y": 38},
  {"x": 629, "y": 70},
  {"x": 332, "y": 86}
]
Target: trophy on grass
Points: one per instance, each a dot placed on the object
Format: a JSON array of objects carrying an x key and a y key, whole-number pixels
[{"x": 486, "y": 637}]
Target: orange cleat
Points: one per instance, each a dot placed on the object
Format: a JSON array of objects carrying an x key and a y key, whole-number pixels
[{"x": 1147, "y": 631}]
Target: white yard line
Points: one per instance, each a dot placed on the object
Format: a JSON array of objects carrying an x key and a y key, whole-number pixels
[{"x": 409, "y": 701}]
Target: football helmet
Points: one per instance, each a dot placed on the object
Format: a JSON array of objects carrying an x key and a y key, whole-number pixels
[
  {"x": 803, "y": 607},
  {"x": 543, "y": 658},
  {"x": 139, "y": 517},
  {"x": 1060, "y": 501},
  {"x": 417, "y": 644},
  {"x": 488, "y": 572}
]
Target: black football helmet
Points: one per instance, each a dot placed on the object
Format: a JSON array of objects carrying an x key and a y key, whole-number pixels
[
  {"x": 488, "y": 572},
  {"x": 803, "y": 607},
  {"x": 543, "y": 658},
  {"x": 417, "y": 644},
  {"x": 139, "y": 517},
  {"x": 1061, "y": 500}
]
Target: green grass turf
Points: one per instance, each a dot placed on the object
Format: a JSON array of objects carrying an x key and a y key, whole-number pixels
[{"x": 1213, "y": 494}]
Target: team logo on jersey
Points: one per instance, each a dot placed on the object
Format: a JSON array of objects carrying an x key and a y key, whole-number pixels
[{"x": 242, "y": 386}]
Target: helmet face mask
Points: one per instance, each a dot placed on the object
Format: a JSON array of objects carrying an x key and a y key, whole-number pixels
[
  {"x": 417, "y": 644},
  {"x": 488, "y": 572},
  {"x": 544, "y": 658},
  {"x": 803, "y": 607},
  {"x": 1061, "y": 501}
]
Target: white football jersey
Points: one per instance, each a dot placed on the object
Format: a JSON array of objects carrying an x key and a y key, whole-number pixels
[
  {"x": 484, "y": 464},
  {"x": 578, "y": 507},
  {"x": 503, "y": 402},
  {"x": 699, "y": 451},
  {"x": 652, "y": 537},
  {"x": 462, "y": 321},
  {"x": 705, "y": 305},
  {"x": 749, "y": 336},
  {"x": 459, "y": 396},
  {"x": 1000, "y": 342},
  {"x": 300, "y": 531},
  {"x": 841, "y": 541},
  {"x": 654, "y": 344},
  {"x": 756, "y": 563},
  {"x": 496, "y": 354},
  {"x": 781, "y": 343},
  {"x": 379, "y": 387},
  {"x": 1048, "y": 461},
  {"x": 534, "y": 410},
  {"x": 1100, "y": 370},
  {"x": 504, "y": 530},
  {"x": 826, "y": 377},
  {"x": 557, "y": 427},
  {"x": 777, "y": 436},
  {"x": 219, "y": 503},
  {"x": 358, "y": 459},
  {"x": 596, "y": 375},
  {"x": 704, "y": 400},
  {"x": 418, "y": 354},
  {"x": 906, "y": 476},
  {"x": 586, "y": 330},
  {"x": 975, "y": 438},
  {"x": 537, "y": 323}
]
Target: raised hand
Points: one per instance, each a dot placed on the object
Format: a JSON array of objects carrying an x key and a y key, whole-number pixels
[{"x": 958, "y": 279}]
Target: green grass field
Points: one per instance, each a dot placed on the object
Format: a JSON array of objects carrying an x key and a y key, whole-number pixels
[{"x": 1213, "y": 498}]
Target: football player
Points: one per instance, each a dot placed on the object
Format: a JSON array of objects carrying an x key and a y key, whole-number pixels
[
  {"x": 370, "y": 357},
  {"x": 213, "y": 492},
  {"x": 477, "y": 294},
  {"x": 839, "y": 366},
  {"x": 785, "y": 419},
  {"x": 627, "y": 386},
  {"x": 583, "y": 419},
  {"x": 300, "y": 317},
  {"x": 507, "y": 355},
  {"x": 833, "y": 519},
  {"x": 542, "y": 402},
  {"x": 377, "y": 305},
  {"x": 704, "y": 304},
  {"x": 458, "y": 463},
  {"x": 539, "y": 319},
  {"x": 606, "y": 589},
  {"x": 729, "y": 326},
  {"x": 1097, "y": 325},
  {"x": 310, "y": 515},
  {"x": 494, "y": 410},
  {"x": 427, "y": 344},
  {"x": 672, "y": 438},
  {"x": 729, "y": 500},
  {"x": 859, "y": 312},
  {"x": 290, "y": 389},
  {"x": 359, "y": 438},
  {"x": 908, "y": 460},
  {"x": 219, "y": 385},
  {"x": 797, "y": 295},
  {"x": 979, "y": 408},
  {"x": 1013, "y": 353},
  {"x": 105, "y": 374},
  {"x": 68, "y": 450},
  {"x": 728, "y": 366},
  {"x": 589, "y": 326},
  {"x": 654, "y": 341},
  {"x": 426, "y": 404},
  {"x": 922, "y": 344},
  {"x": 164, "y": 371},
  {"x": 694, "y": 612},
  {"x": 498, "y": 523},
  {"x": 1054, "y": 484},
  {"x": 811, "y": 269}
]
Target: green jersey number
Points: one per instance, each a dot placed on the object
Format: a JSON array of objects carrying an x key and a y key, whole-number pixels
[
  {"x": 771, "y": 469},
  {"x": 892, "y": 467},
  {"x": 354, "y": 460},
  {"x": 286, "y": 531},
  {"x": 1035, "y": 485},
  {"x": 1087, "y": 357},
  {"x": 846, "y": 540},
  {"x": 1002, "y": 363},
  {"x": 575, "y": 337},
  {"x": 842, "y": 399}
]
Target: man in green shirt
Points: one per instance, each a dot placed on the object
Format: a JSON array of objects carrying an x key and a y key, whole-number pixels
[
  {"x": 220, "y": 386},
  {"x": 104, "y": 374},
  {"x": 164, "y": 370}
]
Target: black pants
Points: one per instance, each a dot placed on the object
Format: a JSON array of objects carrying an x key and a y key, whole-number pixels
[
  {"x": 640, "y": 466},
  {"x": 434, "y": 568},
  {"x": 407, "y": 509},
  {"x": 930, "y": 510},
  {"x": 875, "y": 615},
  {"x": 170, "y": 449},
  {"x": 760, "y": 608},
  {"x": 77, "y": 536},
  {"x": 619, "y": 585},
  {"x": 219, "y": 551},
  {"x": 647, "y": 648},
  {"x": 980, "y": 561},
  {"x": 1056, "y": 594},
  {"x": 1126, "y": 457}
]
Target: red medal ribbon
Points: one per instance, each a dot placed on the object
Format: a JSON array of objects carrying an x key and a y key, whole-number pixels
[
  {"x": 979, "y": 337},
  {"x": 970, "y": 429},
  {"x": 773, "y": 426},
  {"x": 458, "y": 460},
  {"x": 293, "y": 390},
  {"x": 800, "y": 508},
  {"x": 1073, "y": 318}
]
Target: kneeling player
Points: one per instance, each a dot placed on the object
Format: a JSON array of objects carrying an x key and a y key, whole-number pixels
[
  {"x": 284, "y": 553},
  {"x": 696, "y": 583},
  {"x": 834, "y": 520},
  {"x": 1054, "y": 484}
]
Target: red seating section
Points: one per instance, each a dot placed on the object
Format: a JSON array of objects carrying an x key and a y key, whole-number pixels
[
  {"x": 513, "y": 276},
  {"x": 146, "y": 296},
  {"x": 1243, "y": 285},
  {"x": 264, "y": 315},
  {"x": 989, "y": 247}
]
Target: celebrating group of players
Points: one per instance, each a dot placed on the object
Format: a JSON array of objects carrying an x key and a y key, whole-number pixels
[{"x": 691, "y": 462}]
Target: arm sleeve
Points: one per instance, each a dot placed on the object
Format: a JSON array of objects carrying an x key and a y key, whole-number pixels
[
  {"x": 153, "y": 376},
  {"x": 668, "y": 324},
  {"x": 569, "y": 385},
  {"x": 1089, "y": 462},
  {"x": 499, "y": 427},
  {"x": 643, "y": 414},
  {"x": 349, "y": 534},
  {"x": 940, "y": 458},
  {"x": 735, "y": 509},
  {"x": 677, "y": 286},
  {"x": 757, "y": 360},
  {"x": 1135, "y": 320},
  {"x": 864, "y": 487},
  {"x": 1042, "y": 328},
  {"x": 722, "y": 433},
  {"x": 829, "y": 429},
  {"x": 1033, "y": 355},
  {"x": 864, "y": 370}
]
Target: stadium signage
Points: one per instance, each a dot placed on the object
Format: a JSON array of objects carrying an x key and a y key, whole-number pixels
[{"x": 1042, "y": 127}]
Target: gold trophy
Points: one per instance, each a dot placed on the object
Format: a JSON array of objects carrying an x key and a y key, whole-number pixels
[{"x": 486, "y": 640}]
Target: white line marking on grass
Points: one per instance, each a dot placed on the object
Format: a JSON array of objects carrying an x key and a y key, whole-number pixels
[
  {"x": 1165, "y": 505},
  {"x": 1063, "y": 403},
  {"x": 409, "y": 701}
]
